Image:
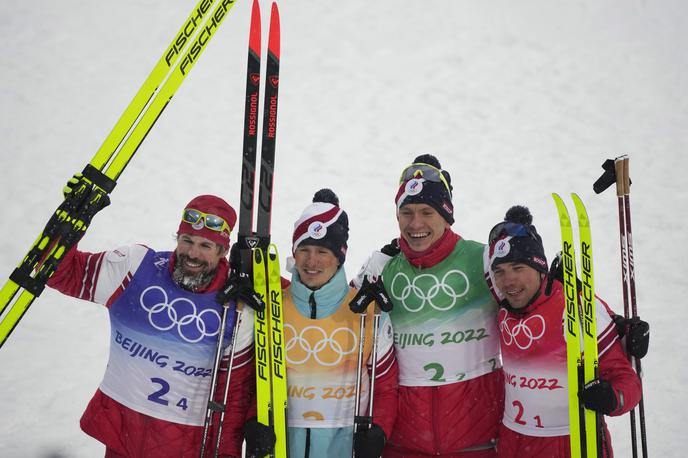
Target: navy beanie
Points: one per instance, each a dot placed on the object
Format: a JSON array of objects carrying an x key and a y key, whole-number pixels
[
  {"x": 516, "y": 240},
  {"x": 420, "y": 190}
]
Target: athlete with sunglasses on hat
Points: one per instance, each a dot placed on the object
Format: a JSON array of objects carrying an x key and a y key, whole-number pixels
[
  {"x": 322, "y": 341},
  {"x": 165, "y": 320},
  {"x": 533, "y": 346},
  {"x": 446, "y": 341}
]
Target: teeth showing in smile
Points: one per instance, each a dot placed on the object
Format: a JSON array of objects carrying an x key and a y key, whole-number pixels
[
  {"x": 514, "y": 292},
  {"x": 418, "y": 235}
]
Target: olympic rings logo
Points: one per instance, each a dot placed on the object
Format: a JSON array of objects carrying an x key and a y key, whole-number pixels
[
  {"x": 521, "y": 332},
  {"x": 181, "y": 312},
  {"x": 427, "y": 289},
  {"x": 328, "y": 351}
]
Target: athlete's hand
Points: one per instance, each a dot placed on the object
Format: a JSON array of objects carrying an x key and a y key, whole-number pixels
[
  {"x": 369, "y": 442},
  {"x": 370, "y": 291},
  {"x": 73, "y": 185},
  {"x": 598, "y": 395},
  {"x": 260, "y": 439},
  {"x": 637, "y": 333},
  {"x": 241, "y": 289}
]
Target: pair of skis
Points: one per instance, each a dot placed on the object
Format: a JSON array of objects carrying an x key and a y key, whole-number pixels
[
  {"x": 254, "y": 246},
  {"x": 91, "y": 194},
  {"x": 580, "y": 319}
]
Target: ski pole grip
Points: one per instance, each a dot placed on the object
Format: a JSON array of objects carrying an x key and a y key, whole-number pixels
[
  {"x": 627, "y": 176},
  {"x": 620, "y": 177}
]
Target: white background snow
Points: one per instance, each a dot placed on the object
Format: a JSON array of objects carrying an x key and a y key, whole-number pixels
[{"x": 517, "y": 99}]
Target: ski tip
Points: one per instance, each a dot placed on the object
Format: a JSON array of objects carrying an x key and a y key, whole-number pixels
[
  {"x": 274, "y": 38},
  {"x": 580, "y": 210},
  {"x": 254, "y": 34}
]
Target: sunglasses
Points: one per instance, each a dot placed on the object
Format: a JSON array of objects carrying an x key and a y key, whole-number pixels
[
  {"x": 212, "y": 222},
  {"x": 426, "y": 171},
  {"x": 511, "y": 229}
]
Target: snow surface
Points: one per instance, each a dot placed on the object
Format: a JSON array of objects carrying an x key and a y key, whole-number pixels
[{"x": 517, "y": 99}]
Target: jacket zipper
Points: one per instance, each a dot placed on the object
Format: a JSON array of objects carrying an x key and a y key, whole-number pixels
[{"x": 435, "y": 419}]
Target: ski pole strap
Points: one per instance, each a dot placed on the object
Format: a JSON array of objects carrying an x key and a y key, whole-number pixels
[{"x": 99, "y": 178}]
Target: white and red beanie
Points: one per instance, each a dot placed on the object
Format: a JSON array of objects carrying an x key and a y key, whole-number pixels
[
  {"x": 211, "y": 205},
  {"x": 516, "y": 240},
  {"x": 324, "y": 224},
  {"x": 419, "y": 190}
]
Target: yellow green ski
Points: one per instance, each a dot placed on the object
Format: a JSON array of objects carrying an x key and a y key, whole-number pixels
[
  {"x": 589, "y": 328},
  {"x": 91, "y": 194},
  {"x": 581, "y": 327},
  {"x": 572, "y": 330}
]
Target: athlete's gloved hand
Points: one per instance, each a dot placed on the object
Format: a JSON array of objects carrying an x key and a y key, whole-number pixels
[
  {"x": 239, "y": 285},
  {"x": 260, "y": 439},
  {"x": 369, "y": 292},
  {"x": 637, "y": 333},
  {"x": 373, "y": 266},
  {"x": 556, "y": 272},
  {"x": 236, "y": 289},
  {"x": 392, "y": 248},
  {"x": 369, "y": 442},
  {"x": 72, "y": 185},
  {"x": 598, "y": 395}
]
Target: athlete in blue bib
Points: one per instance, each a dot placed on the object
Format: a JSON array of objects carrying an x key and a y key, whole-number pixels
[{"x": 164, "y": 329}]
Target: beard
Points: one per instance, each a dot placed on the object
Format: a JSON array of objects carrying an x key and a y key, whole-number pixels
[{"x": 192, "y": 281}]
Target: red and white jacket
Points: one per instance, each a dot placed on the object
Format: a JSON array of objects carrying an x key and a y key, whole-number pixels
[
  {"x": 533, "y": 349},
  {"x": 450, "y": 420},
  {"x": 131, "y": 425}
]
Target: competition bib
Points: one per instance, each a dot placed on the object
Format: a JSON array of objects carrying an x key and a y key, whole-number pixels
[
  {"x": 444, "y": 318},
  {"x": 535, "y": 371},
  {"x": 163, "y": 343},
  {"x": 322, "y": 358}
]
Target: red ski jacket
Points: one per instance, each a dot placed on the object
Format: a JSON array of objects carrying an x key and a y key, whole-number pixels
[
  {"x": 533, "y": 346},
  {"x": 102, "y": 277}
]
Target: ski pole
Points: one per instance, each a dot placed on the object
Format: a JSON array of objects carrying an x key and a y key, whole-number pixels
[
  {"x": 623, "y": 190},
  {"x": 359, "y": 366},
  {"x": 360, "y": 420},
  {"x": 359, "y": 373},
  {"x": 373, "y": 370},
  {"x": 214, "y": 406}
]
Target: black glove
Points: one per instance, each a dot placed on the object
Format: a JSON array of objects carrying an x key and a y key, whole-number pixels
[
  {"x": 239, "y": 285},
  {"x": 240, "y": 288},
  {"x": 73, "y": 185},
  {"x": 369, "y": 292},
  {"x": 260, "y": 439},
  {"x": 556, "y": 272},
  {"x": 637, "y": 333},
  {"x": 598, "y": 395},
  {"x": 392, "y": 248},
  {"x": 369, "y": 442}
]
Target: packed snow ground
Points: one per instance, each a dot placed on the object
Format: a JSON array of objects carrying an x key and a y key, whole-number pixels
[{"x": 517, "y": 99}]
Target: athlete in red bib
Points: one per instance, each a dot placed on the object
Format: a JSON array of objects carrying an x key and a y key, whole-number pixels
[{"x": 533, "y": 346}]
